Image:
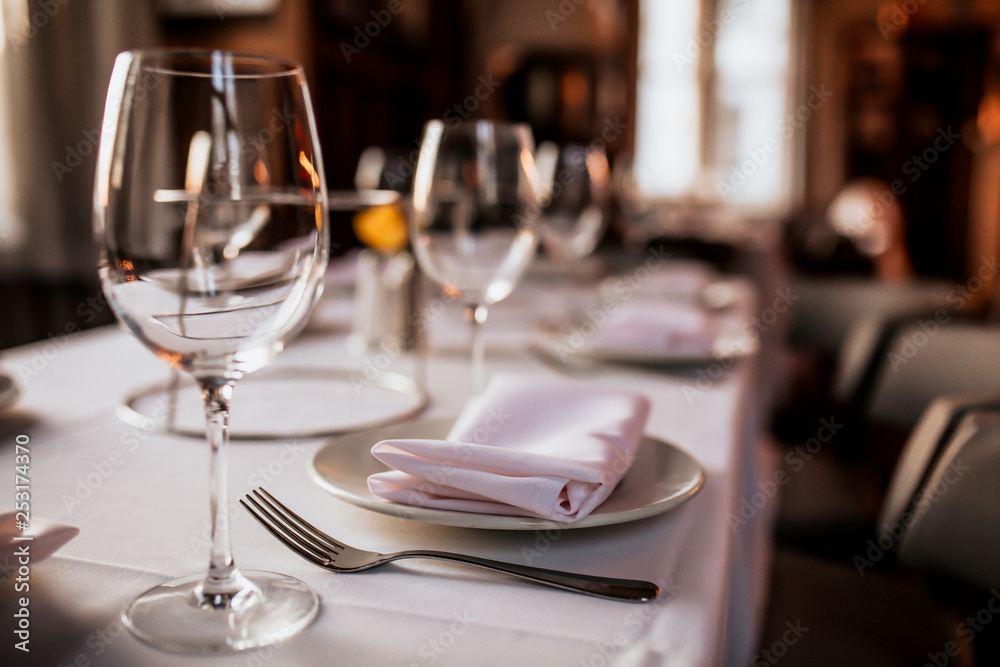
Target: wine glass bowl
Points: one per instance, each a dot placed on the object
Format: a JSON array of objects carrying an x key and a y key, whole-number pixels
[
  {"x": 474, "y": 213},
  {"x": 576, "y": 183},
  {"x": 211, "y": 222}
]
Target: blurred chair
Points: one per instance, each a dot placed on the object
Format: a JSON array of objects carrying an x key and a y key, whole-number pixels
[
  {"x": 943, "y": 508},
  {"x": 899, "y": 368},
  {"x": 866, "y": 216},
  {"x": 828, "y": 308},
  {"x": 926, "y": 360},
  {"x": 941, "y": 517}
]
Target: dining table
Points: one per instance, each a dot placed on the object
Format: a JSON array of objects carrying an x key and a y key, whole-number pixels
[{"x": 140, "y": 500}]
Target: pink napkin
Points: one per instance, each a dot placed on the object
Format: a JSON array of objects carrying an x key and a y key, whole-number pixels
[
  {"x": 670, "y": 328},
  {"x": 525, "y": 446}
]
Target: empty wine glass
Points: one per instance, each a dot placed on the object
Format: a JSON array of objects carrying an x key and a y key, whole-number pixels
[
  {"x": 474, "y": 213},
  {"x": 210, "y": 218},
  {"x": 576, "y": 182}
]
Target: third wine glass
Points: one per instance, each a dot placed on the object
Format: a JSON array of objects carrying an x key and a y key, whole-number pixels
[{"x": 474, "y": 215}]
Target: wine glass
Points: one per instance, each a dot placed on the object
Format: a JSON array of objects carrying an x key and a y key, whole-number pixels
[
  {"x": 210, "y": 219},
  {"x": 576, "y": 182},
  {"x": 474, "y": 214}
]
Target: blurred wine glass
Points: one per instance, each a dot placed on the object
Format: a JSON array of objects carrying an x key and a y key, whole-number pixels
[
  {"x": 475, "y": 209},
  {"x": 576, "y": 186}
]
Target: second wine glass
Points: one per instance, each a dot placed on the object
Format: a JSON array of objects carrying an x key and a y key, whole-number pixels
[{"x": 474, "y": 215}]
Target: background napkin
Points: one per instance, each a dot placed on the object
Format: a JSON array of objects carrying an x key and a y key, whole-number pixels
[
  {"x": 525, "y": 446},
  {"x": 669, "y": 328},
  {"x": 680, "y": 279}
]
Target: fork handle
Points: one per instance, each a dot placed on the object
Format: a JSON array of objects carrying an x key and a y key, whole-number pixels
[{"x": 630, "y": 590}]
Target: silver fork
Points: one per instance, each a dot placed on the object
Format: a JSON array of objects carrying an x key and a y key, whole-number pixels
[{"x": 316, "y": 546}]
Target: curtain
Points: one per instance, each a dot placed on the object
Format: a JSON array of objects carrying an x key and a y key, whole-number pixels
[{"x": 56, "y": 61}]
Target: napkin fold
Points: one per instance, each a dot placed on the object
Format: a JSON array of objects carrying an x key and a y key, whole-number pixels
[
  {"x": 525, "y": 446},
  {"x": 46, "y": 537},
  {"x": 668, "y": 328}
]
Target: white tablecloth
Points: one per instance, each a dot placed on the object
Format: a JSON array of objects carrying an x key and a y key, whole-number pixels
[{"x": 140, "y": 501}]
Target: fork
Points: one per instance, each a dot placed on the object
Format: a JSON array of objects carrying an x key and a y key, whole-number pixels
[{"x": 316, "y": 546}]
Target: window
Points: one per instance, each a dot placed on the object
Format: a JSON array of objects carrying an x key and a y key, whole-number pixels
[
  {"x": 11, "y": 227},
  {"x": 713, "y": 89}
]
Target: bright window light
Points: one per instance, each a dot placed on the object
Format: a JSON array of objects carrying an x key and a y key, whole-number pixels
[{"x": 712, "y": 95}]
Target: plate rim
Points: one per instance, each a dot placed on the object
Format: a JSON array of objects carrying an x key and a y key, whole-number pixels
[
  {"x": 546, "y": 341},
  {"x": 477, "y": 520}
]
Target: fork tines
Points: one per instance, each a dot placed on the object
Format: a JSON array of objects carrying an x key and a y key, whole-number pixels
[{"x": 291, "y": 529}]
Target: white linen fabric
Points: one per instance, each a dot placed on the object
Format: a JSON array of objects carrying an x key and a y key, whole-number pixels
[
  {"x": 141, "y": 502},
  {"x": 547, "y": 448}
]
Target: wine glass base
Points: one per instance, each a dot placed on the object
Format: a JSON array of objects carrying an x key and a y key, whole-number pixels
[
  {"x": 268, "y": 404},
  {"x": 169, "y": 616}
]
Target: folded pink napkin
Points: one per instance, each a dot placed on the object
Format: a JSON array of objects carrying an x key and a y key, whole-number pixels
[
  {"x": 664, "y": 327},
  {"x": 525, "y": 446}
]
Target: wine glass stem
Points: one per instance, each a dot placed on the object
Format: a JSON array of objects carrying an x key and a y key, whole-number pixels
[
  {"x": 223, "y": 580},
  {"x": 476, "y": 315}
]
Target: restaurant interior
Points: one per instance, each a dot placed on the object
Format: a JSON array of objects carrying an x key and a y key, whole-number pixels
[{"x": 825, "y": 172}]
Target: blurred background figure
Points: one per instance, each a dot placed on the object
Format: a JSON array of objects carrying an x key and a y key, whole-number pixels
[{"x": 867, "y": 215}]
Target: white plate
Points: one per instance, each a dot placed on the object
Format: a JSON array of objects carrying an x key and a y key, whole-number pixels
[
  {"x": 661, "y": 477},
  {"x": 9, "y": 392},
  {"x": 729, "y": 345}
]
